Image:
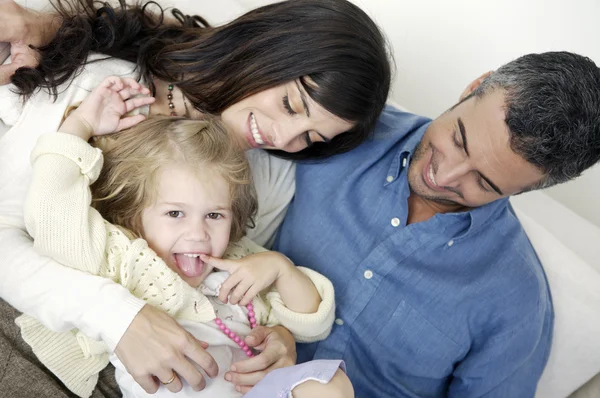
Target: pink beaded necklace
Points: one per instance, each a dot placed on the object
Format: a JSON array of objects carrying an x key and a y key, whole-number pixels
[{"x": 233, "y": 336}]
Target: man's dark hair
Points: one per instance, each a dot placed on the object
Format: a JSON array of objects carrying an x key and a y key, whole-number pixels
[{"x": 552, "y": 112}]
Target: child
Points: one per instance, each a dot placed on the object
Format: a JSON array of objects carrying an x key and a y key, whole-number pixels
[{"x": 174, "y": 192}]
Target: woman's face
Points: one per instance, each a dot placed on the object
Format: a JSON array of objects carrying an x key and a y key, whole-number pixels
[{"x": 284, "y": 118}]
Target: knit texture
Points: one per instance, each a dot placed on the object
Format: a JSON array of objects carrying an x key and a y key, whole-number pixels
[{"x": 58, "y": 205}]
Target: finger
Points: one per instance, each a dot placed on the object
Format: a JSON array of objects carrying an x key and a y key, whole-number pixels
[
  {"x": 130, "y": 121},
  {"x": 254, "y": 364},
  {"x": 130, "y": 82},
  {"x": 250, "y": 294},
  {"x": 245, "y": 379},
  {"x": 6, "y": 71},
  {"x": 257, "y": 336},
  {"x": 196, "y": 353},
  {"x": 148, "y": 383},
  {"x": 224, "y": 265},
  {"x": 239, "y": 291},
  {"x": 226, "y": 286},
  {"x": 114, "y": 83},
  {"x": 244, "y": 389},
  {"x": 137, "y": 102},
  {"x": 171, "y": 380}
]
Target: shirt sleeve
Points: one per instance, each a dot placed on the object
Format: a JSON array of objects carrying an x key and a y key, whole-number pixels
[
  {"x": 500, "y": 364},
  {"x": 57, "y": 208},
  {"x": 80, "y": 303},
  {"x": 306, "y": 328},
  {"x": 274, "y": 180}
]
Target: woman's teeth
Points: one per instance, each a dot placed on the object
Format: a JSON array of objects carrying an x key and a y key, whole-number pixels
[
  {"x": 255, "y": 133},
  {"x": 191, "y": 255}
]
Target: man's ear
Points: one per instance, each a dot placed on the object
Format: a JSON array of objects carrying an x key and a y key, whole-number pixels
[{"x": 474, "y": 84}]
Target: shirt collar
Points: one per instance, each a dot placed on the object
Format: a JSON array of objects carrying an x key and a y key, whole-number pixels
[{"x": 406, "y": 148}]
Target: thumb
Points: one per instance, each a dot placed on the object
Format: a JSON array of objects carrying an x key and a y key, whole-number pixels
[
  {"x": 219, "y": 263},
  {"x": 257, "y": 337},
  {"x": 6, "y": 71}
]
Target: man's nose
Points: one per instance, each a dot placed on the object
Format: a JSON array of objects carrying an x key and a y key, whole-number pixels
[{"x": 450, "y": 172}]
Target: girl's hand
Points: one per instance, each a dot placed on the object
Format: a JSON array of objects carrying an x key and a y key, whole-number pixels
[
  {"x": 103, "y": 110},
  {"x": 249, "y": 275}
]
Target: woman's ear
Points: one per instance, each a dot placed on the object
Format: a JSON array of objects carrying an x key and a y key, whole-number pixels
[{"x": 474, "y": 84}]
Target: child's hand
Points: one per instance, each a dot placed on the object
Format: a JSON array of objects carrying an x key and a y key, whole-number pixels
[
  {"x": 102, "y": 111},
  {"x": 249, "y": 275}
]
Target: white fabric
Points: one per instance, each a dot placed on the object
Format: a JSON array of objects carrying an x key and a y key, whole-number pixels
[
  {"x": 60, "y": 297},
  {"x": 575, "y": 288}
]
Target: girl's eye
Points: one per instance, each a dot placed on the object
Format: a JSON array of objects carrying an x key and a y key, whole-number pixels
[
  {"x": 175, "y": 214},
  {"x": 214, "y": 216},
  {"x": 287, "y": 106}
]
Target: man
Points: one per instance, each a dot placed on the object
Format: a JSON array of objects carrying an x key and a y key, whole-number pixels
[{"x": 438, "y": 290}]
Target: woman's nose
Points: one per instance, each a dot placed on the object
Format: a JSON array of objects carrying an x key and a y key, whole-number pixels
[{"x": 287, "y": 136}]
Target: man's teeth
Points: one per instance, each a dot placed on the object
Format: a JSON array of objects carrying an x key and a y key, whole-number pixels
[
  {"x": 431, "y": 177},
  {"x": 191, "y": 255},
  {"x": 254, "y": 128}
]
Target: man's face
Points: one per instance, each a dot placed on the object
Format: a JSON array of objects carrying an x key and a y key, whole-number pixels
[{"x": 465, "y": 158}]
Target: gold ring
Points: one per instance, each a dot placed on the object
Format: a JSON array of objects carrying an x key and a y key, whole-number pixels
[{"x": 170, "y": 380}]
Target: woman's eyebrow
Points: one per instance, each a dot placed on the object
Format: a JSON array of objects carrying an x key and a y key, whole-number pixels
[{"x": 303, "y": 98}]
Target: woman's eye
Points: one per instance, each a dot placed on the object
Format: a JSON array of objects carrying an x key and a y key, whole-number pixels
[
  {"x": 175, "y": 213},
  {"x": 307, "y": 139},
  {"x": 287, "y": 106},
  {"x": 214, "y": 216}
]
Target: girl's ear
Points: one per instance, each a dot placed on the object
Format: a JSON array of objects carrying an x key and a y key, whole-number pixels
[{"x": 474, "y": 84}]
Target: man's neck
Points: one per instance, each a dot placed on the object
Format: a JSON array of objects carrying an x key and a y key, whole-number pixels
[{"x": 421, "y": 209}]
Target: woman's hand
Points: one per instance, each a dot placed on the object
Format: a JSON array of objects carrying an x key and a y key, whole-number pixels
[
  {"x": 22, "y": 27},
  {"x": 102, "y": 111},
  {"x": 249, "y": 275},
  {"x": 155, "y": 348},
  {"x": 278, "y": 350}
]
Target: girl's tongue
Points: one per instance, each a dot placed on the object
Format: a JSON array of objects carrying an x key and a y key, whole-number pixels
[{"x": 190, "y": 266}]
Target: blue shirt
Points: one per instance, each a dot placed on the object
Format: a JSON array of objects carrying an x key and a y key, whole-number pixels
[{"x": 456, "y": 306}]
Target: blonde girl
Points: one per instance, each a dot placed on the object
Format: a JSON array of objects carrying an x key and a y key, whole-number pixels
[{"x": 171, "y": 196}]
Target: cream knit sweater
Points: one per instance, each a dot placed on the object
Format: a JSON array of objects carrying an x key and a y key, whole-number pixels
[{"x": 64, "y": 226}]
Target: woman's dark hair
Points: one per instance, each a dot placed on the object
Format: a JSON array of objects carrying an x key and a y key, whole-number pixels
[{"x": 332, "y": 42}]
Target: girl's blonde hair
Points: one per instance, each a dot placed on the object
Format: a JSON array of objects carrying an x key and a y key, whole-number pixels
[{"x": 132, "y": 159}]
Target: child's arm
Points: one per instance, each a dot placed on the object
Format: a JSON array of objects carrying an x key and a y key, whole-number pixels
[
  {"x": 57, "y": 208},
  {"x": 286, "y": 304},
  {"x": 256, "y": 272}
]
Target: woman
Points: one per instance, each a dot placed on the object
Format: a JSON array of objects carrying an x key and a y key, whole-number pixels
[{"x": 308, "y": 77}]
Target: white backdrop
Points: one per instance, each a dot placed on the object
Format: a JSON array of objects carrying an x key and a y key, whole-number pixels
[{"x": 440, "y": 46}]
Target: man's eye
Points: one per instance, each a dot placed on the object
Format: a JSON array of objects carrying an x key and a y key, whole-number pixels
[
  {"x": 457, "y": 142},
  {"x": 287, "y": 106},
  {"x": 175, "y": 213},
  {"x": 214, "y": 216}
]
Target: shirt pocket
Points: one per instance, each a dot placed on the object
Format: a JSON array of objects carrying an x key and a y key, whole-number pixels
[{"x": 413, "y": 348}]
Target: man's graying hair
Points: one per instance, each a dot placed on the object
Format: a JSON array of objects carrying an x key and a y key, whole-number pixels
[{"x": 552, "y": 112}]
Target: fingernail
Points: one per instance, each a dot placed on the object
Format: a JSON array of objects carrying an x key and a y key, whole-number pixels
[
  {"x": 228, "y": 376},
  {"x": 233, "y": 368}
]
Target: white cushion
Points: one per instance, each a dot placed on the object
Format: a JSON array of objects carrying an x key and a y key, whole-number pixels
[{"x": 575, "y": 288}]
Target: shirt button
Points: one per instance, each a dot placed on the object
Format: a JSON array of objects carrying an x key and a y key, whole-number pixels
[
  {"x": 404, "y": 162},
  {"x": 450, "y": 243},
  {"x": 389, "y": 178},
  {"x": 339, "y": 322},
  {"x": 368, "y": 274},
  {"x": 395, "y": 222}
]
